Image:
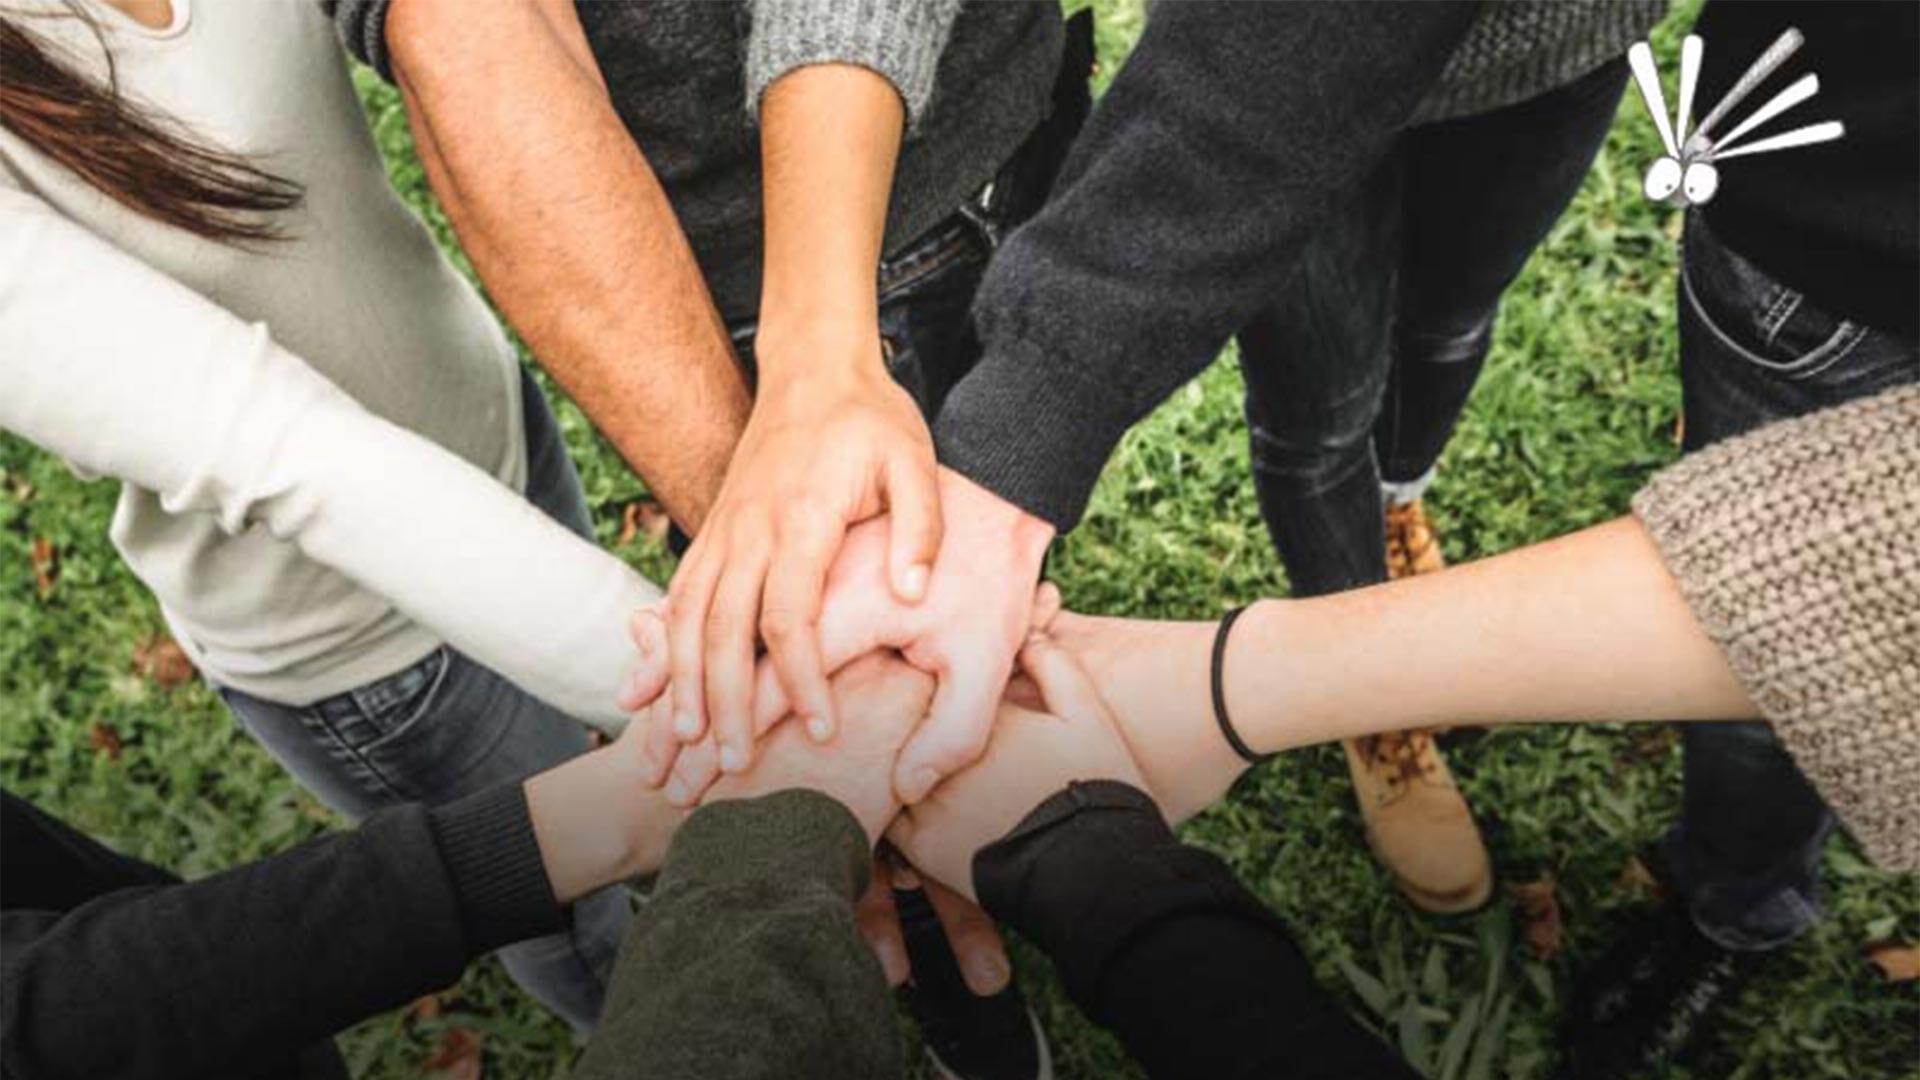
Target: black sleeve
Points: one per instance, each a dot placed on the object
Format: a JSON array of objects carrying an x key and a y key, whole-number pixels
[
  {"x": 1160, "y": 943},
  {"x": 362, "y": 26},
  {"x": 168, "y": 979},
  {"x": 746, "y": 963},
  {"x": 1178, "y": 215}
]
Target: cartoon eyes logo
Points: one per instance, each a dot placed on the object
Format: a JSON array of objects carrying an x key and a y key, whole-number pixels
[{"x": 1687, "y": 174}]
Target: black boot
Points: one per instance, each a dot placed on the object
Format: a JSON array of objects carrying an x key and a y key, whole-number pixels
[{"x": 1650, "y": 998}]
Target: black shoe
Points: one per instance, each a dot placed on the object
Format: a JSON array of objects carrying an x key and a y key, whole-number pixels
[
  {"x": 967, "y": 1037},
  {"x": 1649, "y": 999}
]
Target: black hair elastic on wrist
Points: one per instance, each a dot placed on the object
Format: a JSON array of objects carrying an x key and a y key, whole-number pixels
[{"x": 1220, "y": 692}]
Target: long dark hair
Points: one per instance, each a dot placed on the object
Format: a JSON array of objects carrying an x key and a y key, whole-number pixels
[{"x": 140, "y": 160}]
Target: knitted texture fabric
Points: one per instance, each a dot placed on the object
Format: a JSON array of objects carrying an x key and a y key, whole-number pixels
[
  {"x": 1520, "y": 49},
  {"x": 902, "y": 41},
  {"x": 1798, "y": 548}
]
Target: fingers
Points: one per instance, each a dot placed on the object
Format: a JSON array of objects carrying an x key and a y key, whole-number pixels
[
  {"x": 913, "y": 533},
  {"x": 694, "y": 771},
  {"x": 1046, "y": 605},
  {"x": 879, "y": 924},
  {"x": 975, "y": 940},
  {"x": 730, "y": 636},
  {"x": 650, "y": 671},
  {"x": 659, "y": 746},
  {"x": 954, "y": 734},
  {"x": 687, "y": 602},
  {"x": 1064, "y": 685},
  {"x": 790, "y": 612}
]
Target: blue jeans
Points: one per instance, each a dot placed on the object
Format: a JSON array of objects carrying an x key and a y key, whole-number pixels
[
  {"x": 1745, "y": 855},
  {"x": 1358, "y": 370},
  {"x": 446, "y": 727}
]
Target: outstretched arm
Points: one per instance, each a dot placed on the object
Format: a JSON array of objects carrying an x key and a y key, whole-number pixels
[
  {"x": 175, "y": 395},
  {"x": 587, "y": 261}
]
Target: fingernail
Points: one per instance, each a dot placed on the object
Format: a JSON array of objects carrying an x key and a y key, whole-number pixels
[
  {"x": 819, "y": 729},
  {"x": 913, "y": 582},
  {"x": 986, "y": 974},
  {"x": 686, "y": 725},
  {"x": 732, "y": 759},
  {"x": 677, "y": 792},
  {"x": 905, "y": 877}
]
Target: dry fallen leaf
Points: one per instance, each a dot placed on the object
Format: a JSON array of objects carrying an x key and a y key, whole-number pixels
[
  {"x": 1539, "y": 906},
  {"x": 1637, "y": 880},
  {"x": 161, "y": 659},
  {"x": 643, "y": 516},
  {"x": 457, "y": 1057},
  {"x": 425, "y": 1008},
  {"x": 46, "y": 566},
  {"x": 1899, "y": 963},
  {"x": 104, "y": 740}
]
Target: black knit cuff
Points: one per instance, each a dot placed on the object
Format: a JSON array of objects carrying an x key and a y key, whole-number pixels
[
  {"x": 1091, "y": 869},
  {"x": 493, "y": 860},
  {"x": 1026, "y": 425}
]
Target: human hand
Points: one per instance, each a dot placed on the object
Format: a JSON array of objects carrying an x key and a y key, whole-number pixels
[
  {"x": 1154, "y": 677},
  {"x": 1033, "y": 756},
  {"x": 881, "y": 698},
  {"x": 971, "y": 933},
  {"x": 827, "y": 447},
  {"x": 965, "y": 632},
  {"x": 597, "y": 821}
]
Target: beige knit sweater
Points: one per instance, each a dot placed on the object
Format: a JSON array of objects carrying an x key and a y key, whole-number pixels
[{"x": 1798, "y": 548}]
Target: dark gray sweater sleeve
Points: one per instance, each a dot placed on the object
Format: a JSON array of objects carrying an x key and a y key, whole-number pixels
[
  {"x": 746, "y": 963},
  {"x": 199, "y": 979},
  {"x": 1178, "y": 215}
]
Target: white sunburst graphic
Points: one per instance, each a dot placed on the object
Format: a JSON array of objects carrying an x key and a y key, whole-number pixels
[{"x": 1688, "y": 174}]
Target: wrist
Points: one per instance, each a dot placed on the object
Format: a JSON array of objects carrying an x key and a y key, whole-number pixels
[
  {"x": 1023, "y": 536},
  {"x": 597, "y": 823},
  {"x": 830, "y": 352}
]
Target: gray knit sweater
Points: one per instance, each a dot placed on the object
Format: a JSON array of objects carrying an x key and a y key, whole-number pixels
[
  {"x": 1798, "y": 548},
  {"x": 686, "y": 77}
]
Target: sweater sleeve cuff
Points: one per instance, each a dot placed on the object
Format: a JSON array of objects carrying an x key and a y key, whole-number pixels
[
  {"x": 794, "y": 834},
  {"x": 1794, "y": 547},
  {"x": 1033, "y": 429},
  {"x": 493, "y": 860},
  {"x": 1091, "y": 869},
  {"x": 362, "y": 26},
  {"x": 900, "y": 40}
]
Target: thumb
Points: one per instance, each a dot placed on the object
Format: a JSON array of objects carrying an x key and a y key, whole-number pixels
[
  {"x": 914, "y": 527},
  {"x": 955, "y": 732},
  {"x": 1064, "y": 685}
]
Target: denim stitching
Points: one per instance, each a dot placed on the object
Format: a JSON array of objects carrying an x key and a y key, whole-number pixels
[
  {"x": 1793, "y": 304},
  {"x": 1795, "y": 368},
  {"x": 342, "y": 751}
]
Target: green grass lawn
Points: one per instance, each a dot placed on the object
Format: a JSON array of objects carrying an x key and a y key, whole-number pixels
[{"x": 1577, "y": 407}]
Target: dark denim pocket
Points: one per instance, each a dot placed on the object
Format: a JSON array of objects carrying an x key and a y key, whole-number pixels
[
  {"x": 381, "y": 710},
  {"x": 1773, "y": 327},
  {"x": 1754, "y": 350}
]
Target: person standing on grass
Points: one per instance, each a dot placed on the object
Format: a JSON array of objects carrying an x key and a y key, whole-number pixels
[
  {"x": 1346, "y": 187},
  {"x": 684, "y": 209},
  {"x": 353, "y": 507},
  {"x": 1799, "y": 290}
]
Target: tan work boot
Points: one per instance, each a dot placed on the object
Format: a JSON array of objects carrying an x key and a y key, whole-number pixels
[{"x": 1417, "y": 823}]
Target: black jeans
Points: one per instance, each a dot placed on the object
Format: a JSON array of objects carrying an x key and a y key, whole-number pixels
[
  {"x": 1358, "y": 371},
  {"x": 1745, "y": 855}
]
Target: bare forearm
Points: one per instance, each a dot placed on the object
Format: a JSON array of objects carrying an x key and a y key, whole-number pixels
[
  {"x": 1588, "y": 627},
  {"x": 830, "y": 135},
  {"x": 572, "y": 233}
]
